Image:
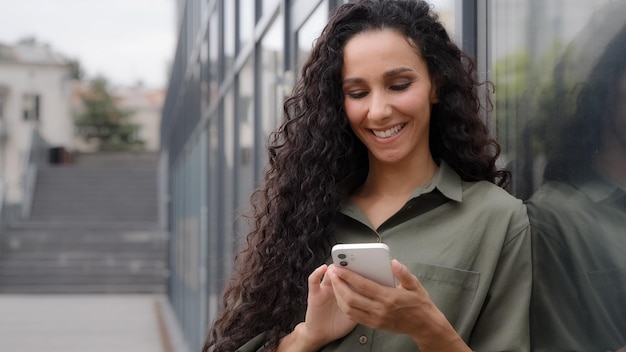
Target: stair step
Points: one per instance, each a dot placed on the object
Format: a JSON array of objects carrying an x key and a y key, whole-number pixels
[
  {"x": 101, "y": 276},
  {"x": 20, "y": 241},
  {"x": 82, "y": 257},
  {"x": 61, "y": 263},
  {"x": 83, "y": 288},
  {"x": 83, "y": 225},
  {"x": 93, "y": 229}
]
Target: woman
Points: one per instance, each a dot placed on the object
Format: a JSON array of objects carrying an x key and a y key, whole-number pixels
[{"x": 382, "y": 141}]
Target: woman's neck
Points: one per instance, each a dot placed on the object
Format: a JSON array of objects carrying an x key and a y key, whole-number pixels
[{"x": 398, "y": 179}]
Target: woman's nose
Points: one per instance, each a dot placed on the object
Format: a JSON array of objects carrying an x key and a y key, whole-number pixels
[{"x": 380, "y": 108}]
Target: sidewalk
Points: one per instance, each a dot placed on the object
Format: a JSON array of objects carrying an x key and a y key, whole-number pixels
[{"x": 86, "y": 323}]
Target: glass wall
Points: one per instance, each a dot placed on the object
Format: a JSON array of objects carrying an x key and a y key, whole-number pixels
[
  {"x": 560, "y": 80},
  {"x": 188, "y": 237},
  {"x": 229, "y": 42},
  {"x": 271, "y": 93},
  {"x": 245, "y": 21},
  {"x": 215, "y": 125},
  {"x": 244, "y": 140},
  {"x": 308, "y": 32}
]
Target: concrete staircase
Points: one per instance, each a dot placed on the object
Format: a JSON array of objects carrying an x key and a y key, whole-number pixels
[{"x": 93, "y": 229}]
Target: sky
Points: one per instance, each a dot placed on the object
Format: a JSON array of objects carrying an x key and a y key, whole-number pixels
[{"x": 126, "y": 41}]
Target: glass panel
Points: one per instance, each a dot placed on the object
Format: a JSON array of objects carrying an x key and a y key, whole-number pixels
[
  {"x": 214, "y": 279},
  {"x": 309, "y": 32},
  {"x": 447, "y": 13},
  {"x": 268, "y": 6},
  {"x": 245, "y": 134},
  {"x": 205, "y": 69},
  {"x": 560, "y": 81},
  {"x": 227, "y": 204},
  {"x": 188, "y": 268},
  {"x": 246, "y": 22},
  {"x": 213, "y": 58},
  {"x": 272, "y": 69},
  {"x": 229, "y": 35}
]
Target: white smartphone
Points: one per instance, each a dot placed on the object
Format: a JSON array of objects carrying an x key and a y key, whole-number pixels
[{"x": 370, "y": 260}]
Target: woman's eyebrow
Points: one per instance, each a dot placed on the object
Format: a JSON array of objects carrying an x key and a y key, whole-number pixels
[
  {"x": 352, "y": 80},
  {"x": 396, "y": 71},
  {"x": 390, "y": 73}
]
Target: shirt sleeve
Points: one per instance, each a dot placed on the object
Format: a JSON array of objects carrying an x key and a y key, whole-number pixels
[
  {"x": 255, "y": 344},
  {"x": 503, "y": 324}
]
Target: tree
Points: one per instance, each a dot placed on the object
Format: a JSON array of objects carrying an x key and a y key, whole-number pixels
[{"x": 101, "y": 118}]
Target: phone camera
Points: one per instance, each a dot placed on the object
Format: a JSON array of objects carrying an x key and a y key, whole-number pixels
[
  {"x": 342, "y": 256},
  {"x": 343, "y": 263}
]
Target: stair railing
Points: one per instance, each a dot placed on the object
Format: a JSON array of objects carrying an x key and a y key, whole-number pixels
[
  {"x": 2, "y": 208},
  {"x": 36, "y": 156}
]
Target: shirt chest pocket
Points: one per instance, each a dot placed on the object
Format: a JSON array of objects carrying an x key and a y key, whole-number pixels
[
  {"x": 452, "y": 290},
  {"x": 610, "y": 288}
]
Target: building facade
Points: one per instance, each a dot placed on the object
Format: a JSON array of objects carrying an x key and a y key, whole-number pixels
[
  {"x": 237, "y": 60},
  {"x": 35, "y": 95},
  {"x": 38, "y": 95}
]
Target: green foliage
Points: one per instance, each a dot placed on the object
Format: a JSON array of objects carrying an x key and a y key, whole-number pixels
[
  {"x": 527, "y": 93},
  {"x": 101, "y": 118}
]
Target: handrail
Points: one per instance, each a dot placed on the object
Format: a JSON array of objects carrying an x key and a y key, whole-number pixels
[
  {"x": 2, "y": 204},
  {"x": 35, "y": 157}
]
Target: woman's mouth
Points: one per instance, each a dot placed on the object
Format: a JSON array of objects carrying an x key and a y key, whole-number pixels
[{"x": 389, "y": 132}]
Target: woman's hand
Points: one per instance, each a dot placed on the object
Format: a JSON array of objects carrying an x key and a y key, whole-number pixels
[
  {"x": 324, "y": 321},
  {"x": 405, "y": 309}
]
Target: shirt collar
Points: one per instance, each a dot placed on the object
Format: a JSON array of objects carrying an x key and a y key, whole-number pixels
[
  {"x": 445, "y": 180},
  {"x": 599, "y": 189}
]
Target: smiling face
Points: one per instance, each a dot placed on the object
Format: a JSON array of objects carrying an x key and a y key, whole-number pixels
[{"x": 388, "y": 96}]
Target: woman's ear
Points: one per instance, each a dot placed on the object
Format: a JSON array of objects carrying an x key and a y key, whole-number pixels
[{"x": 434, "y": 95}]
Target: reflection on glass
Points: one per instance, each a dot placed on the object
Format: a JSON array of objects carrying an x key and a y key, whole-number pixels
[
  {"x": 229, "y": 35},
  {"x": 245, "y": 134},
  {"x": 187, "y": 238},
  {"x": 446, "y": 10},
  {"x": 272, "y": 98},
  {"x": 205, "y": 75},
  {"x": 213, "y": 58},
  {"x": 213, "y": 283},
  {"x": 227, "y": 201},
  {"x": 229, "y": 130},
  {"x": 526, "y": 39},
  {"x": 560, "y": 103},
  {"x": 246, "y": 22},
  {"x": 309, "y": 32},
  {"x": 579, "y": 213},
  {"x": 268, "y": 6}
]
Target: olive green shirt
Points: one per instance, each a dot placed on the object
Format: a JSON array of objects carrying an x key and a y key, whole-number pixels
[{"x": 469, "y": 245}]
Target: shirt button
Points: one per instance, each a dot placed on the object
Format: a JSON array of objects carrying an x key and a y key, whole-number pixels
[{"x": 363, "y": 340}]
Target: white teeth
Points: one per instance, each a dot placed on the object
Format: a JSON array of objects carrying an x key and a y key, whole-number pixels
[{"x": 388, "y": 133}]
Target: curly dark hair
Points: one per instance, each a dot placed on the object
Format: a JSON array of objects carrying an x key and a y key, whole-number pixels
[
  {"x": 314, "y": 150},
  {"x": 574, "y": 141}
]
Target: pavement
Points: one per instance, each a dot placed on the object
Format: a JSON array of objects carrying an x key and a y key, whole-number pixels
[{"x": 88, "y": 323}]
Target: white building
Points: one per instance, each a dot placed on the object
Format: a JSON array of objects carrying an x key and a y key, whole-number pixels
[{"x": 35, "y": 89}]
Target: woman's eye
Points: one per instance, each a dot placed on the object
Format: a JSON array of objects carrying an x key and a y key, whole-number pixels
[
  {"x": 356, "y": 95},
  {"x": 400, "y": 86}
]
